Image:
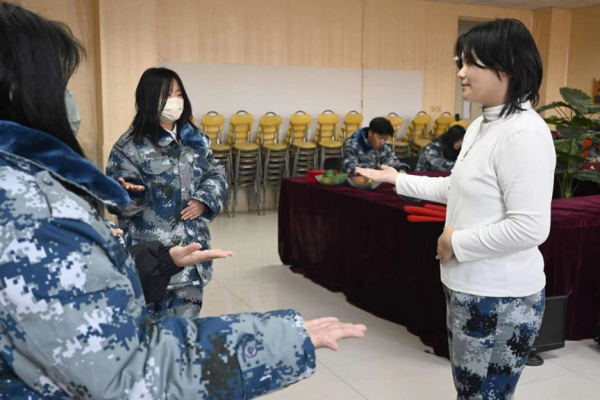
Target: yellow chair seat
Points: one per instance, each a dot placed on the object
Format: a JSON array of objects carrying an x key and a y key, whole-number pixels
[
  {"x": 420, "y": 142},
  {"x": 331, "y": 144},
  {"x": 220, "y": 147},
  {"x": 304, "y": 145},
  {"x": 399, "y": 143},
  {"x": 274, "y": 146},
  {"x": 246, "y": 146}
]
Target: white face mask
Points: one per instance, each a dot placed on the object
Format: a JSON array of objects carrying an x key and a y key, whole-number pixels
[
  {"x": 172, "y": 111},
  {"x": 72, "y": 112}
]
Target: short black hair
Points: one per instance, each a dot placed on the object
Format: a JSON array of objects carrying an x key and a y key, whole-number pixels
[
  {"x": 381, "y": 126},
  {"x": 505, "y": 45}
]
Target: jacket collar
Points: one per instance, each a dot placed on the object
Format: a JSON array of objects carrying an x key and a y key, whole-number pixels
[
  {"x": 190, "y": 136},
  {"x": 45, "y": 152},
  {"x": 361, "y": 139}
]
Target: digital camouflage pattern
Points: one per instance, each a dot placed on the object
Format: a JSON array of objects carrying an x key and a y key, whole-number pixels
[
  {"x": 432, "y": 159},
  {"x": 173, "y": 173},
  {"x": 73, "y": 321},
  {"x": 359, "y": 153},
  {"x": 490, "y": 339}
]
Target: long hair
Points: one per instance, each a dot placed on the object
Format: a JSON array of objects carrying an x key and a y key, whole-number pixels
[
  {"x": 448, "y": 139},
  {"x": 37, "y": 59},
  {"x": 505, "y": 45},
  {"x": 151, "y": 96}
]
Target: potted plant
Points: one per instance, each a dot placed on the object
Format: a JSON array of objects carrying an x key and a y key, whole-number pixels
[{"x": 574, "y": 123}]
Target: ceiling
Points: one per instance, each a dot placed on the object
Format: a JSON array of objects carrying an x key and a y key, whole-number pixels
[{"x": 528, "y": 4}]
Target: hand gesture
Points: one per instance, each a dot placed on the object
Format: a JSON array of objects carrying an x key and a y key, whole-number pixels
[
  {"x": 444, "y": 249},
  {"x": 194, "y": 210},
  {"x": 193, "y": 254},
  {"x": 326, "y": 332},
  {"x": 130, "y": 187},
  {"x": 386, "y": 174}
]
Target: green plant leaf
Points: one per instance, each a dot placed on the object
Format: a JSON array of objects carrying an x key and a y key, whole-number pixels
[
  {"x": 569, "y": 162},
  {"x": 579, "y": 121},
  {"x": 588, "y": 175},
  {"x": 595, "y": 136},
  {"x": 564, "y": 145},
  {"x": 578, "y": 99},
  {"x": 553, "y": 105},
  {"x": 571, "y": 132},
  {"x": 555, "y": 120}
]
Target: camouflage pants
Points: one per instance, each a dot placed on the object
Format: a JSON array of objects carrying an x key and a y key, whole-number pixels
[
  {"x": 490, "y": 339},
  {"x": 178, "y": 302}
]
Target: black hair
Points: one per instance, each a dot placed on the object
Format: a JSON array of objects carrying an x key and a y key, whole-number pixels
[
  {"x": 151, "y": 96},
  {"x": 504, "y": 45},
  {"x": 381, "y": 126},
  {"x": 448, "y": 140},
  {"x": 37, "y": 59}
]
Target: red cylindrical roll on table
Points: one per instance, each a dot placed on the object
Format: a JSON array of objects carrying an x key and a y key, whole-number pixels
[
  {"x": 421, "y": 218},
  {"x": 425, "y": 212}
]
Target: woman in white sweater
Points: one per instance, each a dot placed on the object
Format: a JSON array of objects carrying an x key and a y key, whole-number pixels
[{"x": 498, "y": 198}]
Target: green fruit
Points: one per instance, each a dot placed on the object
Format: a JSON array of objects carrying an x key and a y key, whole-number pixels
[
  {"x": 327, "y": 181},
  {"x": 330, "y": 173}
]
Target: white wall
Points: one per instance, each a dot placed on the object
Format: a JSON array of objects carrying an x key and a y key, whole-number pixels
[{"x": 227, "y": 88}]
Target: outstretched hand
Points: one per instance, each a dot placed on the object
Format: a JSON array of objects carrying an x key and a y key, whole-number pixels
[
  {"x": 385, "y": 174},
  {"x": 193, "y": 254},
  {"x": 130, "y": 187},
  {"x": 326, "y": 332}
]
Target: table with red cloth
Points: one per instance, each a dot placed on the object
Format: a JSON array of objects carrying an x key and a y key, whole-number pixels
[{"x": 360, "y": 242}]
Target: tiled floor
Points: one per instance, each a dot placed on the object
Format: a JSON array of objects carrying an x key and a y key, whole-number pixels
[{"x": 389, "y": 363}]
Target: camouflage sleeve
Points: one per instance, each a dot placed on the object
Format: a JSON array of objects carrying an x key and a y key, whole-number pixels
[
  {"x": 351, "y": 160},
  {"x": 212, "y": 189},
  {"x": 121, "y": 166},
  {"x": 391, "y": 160},
  {"x": 434, "y": 157},
  {"x": 73, "y": 324}
]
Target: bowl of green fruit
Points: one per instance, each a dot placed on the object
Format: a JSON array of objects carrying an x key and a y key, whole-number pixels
[
  {"x": 360, "y": 182},
  {"x": 331, "y": 178}
]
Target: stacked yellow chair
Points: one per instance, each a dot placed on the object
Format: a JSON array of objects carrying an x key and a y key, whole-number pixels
[
  {"x": 400, "y": 146},
  {"x": 212, "y": 124},
  {"x": 461, "y": 122},
  {"x": 325, "y": 136},
  {"x": 246, "y": 172},
  {"x": 352, "y": 122},
  {"x": 417, "y": 130},
  {"x": 275, "y": 155},
  {"x": 441, "y": 125},
  {"x": 302, "y": 151}
]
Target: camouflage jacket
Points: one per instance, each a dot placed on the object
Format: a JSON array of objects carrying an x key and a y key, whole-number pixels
[
  {"x": 359, "y": 153},
  {"x": 73, "y": 320},
  {"x": 432, "y": 159},
  {"x": 173, "y": 173}
]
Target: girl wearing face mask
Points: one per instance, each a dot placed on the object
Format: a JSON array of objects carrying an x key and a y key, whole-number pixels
[
  {"x": 175, "y": 184},
  {"x": 499, "y": 200}
]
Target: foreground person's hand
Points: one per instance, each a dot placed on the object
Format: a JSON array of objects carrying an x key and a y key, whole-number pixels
[
  {"x": 385, "y": 174},
  {"x": 326, "y": 332},
  {"x": 192, "y": 254}
]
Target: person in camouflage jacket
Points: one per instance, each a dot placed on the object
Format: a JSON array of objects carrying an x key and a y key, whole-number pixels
[
  {"x": 73, "y": 320},
  {"x": 441, "y": 154},
  {"x": 368, "y": 148},
  {"x": 175, "y": 171}
]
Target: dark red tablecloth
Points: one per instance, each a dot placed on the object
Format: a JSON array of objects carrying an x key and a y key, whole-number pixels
[{"x": 360, "y": 242}]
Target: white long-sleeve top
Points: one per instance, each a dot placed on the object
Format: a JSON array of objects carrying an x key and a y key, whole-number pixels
[{"x": 498, "y": 196}]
